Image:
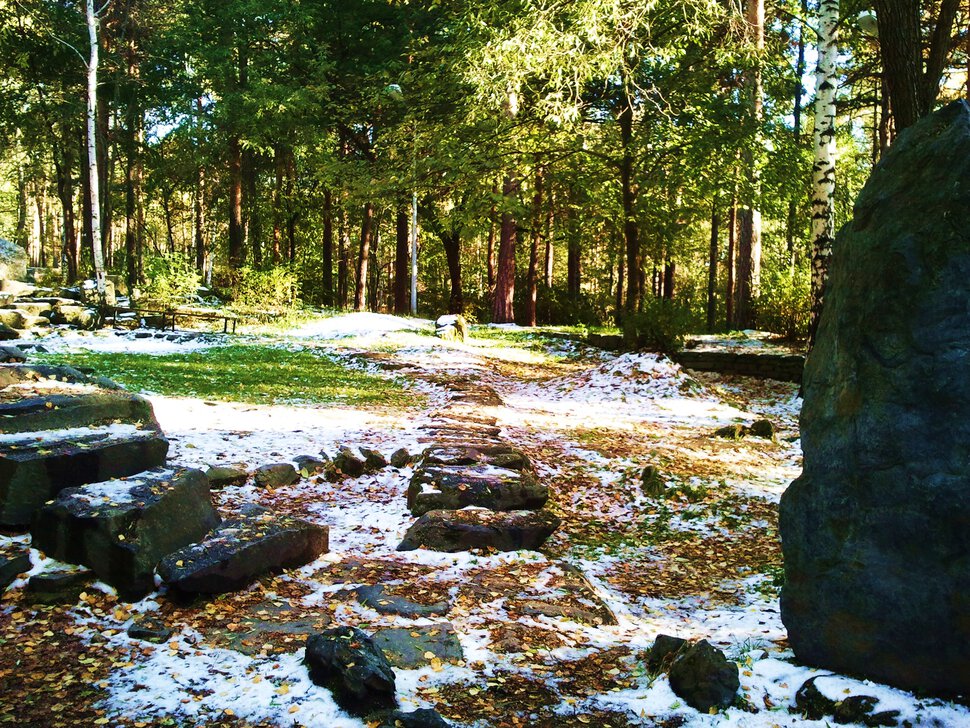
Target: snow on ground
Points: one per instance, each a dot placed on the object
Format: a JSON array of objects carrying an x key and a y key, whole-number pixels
[
  {"x": 629, "y": 406},
  {"x": 139, "y": 341}
]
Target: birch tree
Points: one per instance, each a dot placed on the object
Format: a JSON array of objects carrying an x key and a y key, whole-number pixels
[
  {"x": 92, "y": 130},
  {"x": 823, "y": 169}
]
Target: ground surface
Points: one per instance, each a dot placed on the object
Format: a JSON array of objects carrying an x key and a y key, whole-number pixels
[{"x": 547, "y": 639}]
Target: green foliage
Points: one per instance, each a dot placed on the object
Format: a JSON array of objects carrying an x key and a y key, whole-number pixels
[
  {"x": 264, "y": 294},
  {"x": 241, "y": 373},
  {"x": 784, "y": 305},
  {"x": 662, "y": 325},
  {"x": 172, "y": 281}
]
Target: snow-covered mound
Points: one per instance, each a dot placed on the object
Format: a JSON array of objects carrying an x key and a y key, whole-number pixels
[
  {"x": 627, "y": 377},
  {"x": 357, "y": 324}
]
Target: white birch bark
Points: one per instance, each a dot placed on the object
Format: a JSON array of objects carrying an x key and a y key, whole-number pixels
[
  {"x": 98, "y": 253},
  {"x": 823, "y": 170}
]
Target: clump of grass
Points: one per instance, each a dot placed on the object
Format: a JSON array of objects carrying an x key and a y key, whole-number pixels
[{"x": 244, "y": 373}]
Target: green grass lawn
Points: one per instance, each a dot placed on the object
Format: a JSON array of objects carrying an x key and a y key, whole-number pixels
[{"x": 244, "y": 373}]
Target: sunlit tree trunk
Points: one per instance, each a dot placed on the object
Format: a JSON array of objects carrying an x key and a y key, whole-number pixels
[
  {"x": 823, "y": 170},
  {"x": 502, "y": 307},
  {"x": 729, "y": 319},
  {"x": 92, "y": 134},
  {"x": 236, "y": 232},
  {"x": 532, "y": 278},
  {"x": 327, "y": 281},
  {"x": 363, "y": 257},
  {"x": 628, "y": 195},
  {"x": 712, "y": 269}
]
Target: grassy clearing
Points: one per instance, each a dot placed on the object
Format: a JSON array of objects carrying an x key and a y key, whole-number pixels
[{"x": 241, "y": 373}]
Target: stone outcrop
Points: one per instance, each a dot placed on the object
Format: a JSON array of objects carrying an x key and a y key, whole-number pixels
[
  {"x": 121, "y": 529},
  {"x": 33, "y": 471},
  {"x": 480, "y": 528},
  {"x": 243, "y": 548},
  {"x": 348, "y": 663},
  {"x": 64, "y": 411},
  {"x": 452, "y": 487},
  {"x": 875, "y": 530}
]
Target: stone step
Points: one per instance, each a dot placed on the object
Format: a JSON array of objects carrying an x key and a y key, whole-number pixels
[
  {"x": 121, "y": 528},
  {"x": 30, "y": 308},
  {"x": 21, "y": 373},
  {"x": 479, "y": 528},
  {"x": 70, "y": 411},
  {"x": 436, "y": 487},
  {"x": 245, "y": 547},
  {"x": 500, "y": 455},
  {"x": 36, "y": 466}
]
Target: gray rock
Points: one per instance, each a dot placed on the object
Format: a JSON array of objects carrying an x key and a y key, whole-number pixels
[
  {"x": 452, "y": 531},
  {"x": 7, "y": 333},
  {"x": 275, "y": 475},
  {"x": 245, "y": 547},
  {"x": 11, "y": 319},
  {"x": 451, "y": 327},
  {"x": 13, "y": 563},
  {"x": 762, "y": 428},
  {"x": 874, "y": 532},
  {"x": 450, "y": 488},
  {"x": 665, "y": 649},
  {"x": 401, "y": 458},
  {"x": 13, "y": 261},
  {"x": 77, "y": 316},
  {"x": 64, "y": 411},
  {"x": 57, "y": 586},
  {"x": 373, "y": 460},
  {"x": 406, "y": 647},
  {"x": 348, "y": 663},
  {"x": 854, "y": 709},
  {"x": 500, "y": 455},
  {"x": 12, "y": 355},
  {"x": 704, "y": 678},
  {"x": 150, "y": 629},
  {"x": 348, "y": 463},
  {"x": 230, "y": 474},
  {"x": 32, "y": 472},
  {"x": 378, "y": 598},
  {"x": 423, "y": 718},
  {"x": 309, "y": 465},
  {"x": 122, "y": 528}
]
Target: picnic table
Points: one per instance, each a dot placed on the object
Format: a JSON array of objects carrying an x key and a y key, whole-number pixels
[{"x": 170, "y": 316}]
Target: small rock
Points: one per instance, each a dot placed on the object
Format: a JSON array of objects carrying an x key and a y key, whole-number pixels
[
  {"x": 373, "y": 460},
  {"x": 58, "y": 586},
  {"x": 7, "y": 333},
  {"x": 348, "y": 463},
  {"x": 308, "y": 465},
  {"x": 275, "y": 475},
  {"x": 762, "y": 428},
  {"x": 478, "y": 528},
  {"x": 150, "y": 629},
  {"x": 665, "y": 649},
  {"x": 451, "y": 327},
  {"x": 11, "y": 355},
  {"x": 401, "y": 458},
  {"x": 348, "y": 663},
  {"x": 376, "y": 597},
  {"x": 222, "y": 475},
  {"x": 12, "y": 565},
  {"x": 815, "y": 705},
  {"x": 423, "y": 718},
  {"x": 704, "y": 678},
  {"x": 731, "y": 432}
]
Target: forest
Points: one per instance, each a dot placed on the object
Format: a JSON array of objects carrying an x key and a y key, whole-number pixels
[{"x": 550, "y": 162}]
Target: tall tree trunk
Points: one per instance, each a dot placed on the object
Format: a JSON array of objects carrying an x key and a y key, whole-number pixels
[
  {"x": 550, "y": 228},
  {"x": 253, "y": 221},
  {"x": 237, "y": 252},
  {"x": 620, "y": 263},
  {"x": 712, "y": 269},
  {"x": 363, "y": 255},
  {"x": 21, "y": 235},
  {"x": 65, "y": 193},
  {"x": 374, "y": 266},
  {"x": 574, "y": 251},
  {"x": 628, "y": 193},
  {"x": 503, "y": 311},
  {"x": 452, "y": 244},
  {"x": 133, "y": 184},
  {"x": 278, "y": 204},
  {"x": 401, "y": 260},
  {"x": 670, "y": 268},
  {"x": 729, "y": 318},
  {"x": 105, "y": 173},
  {"x": 92, "y": 149},
  {"x": 491, "y": 241},
  {"x": 797, "y": 135},
  {"x": 532, "y": 279},
  {"x": 289, "y": 207},
  {"x": 327, "y": 248},
  {"x": 343, "y": 263},
  {"x": 749, "y": 242},
  {"x": 823, "y": 170}
]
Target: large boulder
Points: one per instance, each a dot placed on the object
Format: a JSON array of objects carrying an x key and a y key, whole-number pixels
[
  {"x": 876, "y": 530},
  {"x": 35, "y": 467},
  {"x": 479, "y": 528},
  {"x": 13, "y": 261},
  {"x": 348, "y": 663},
  {"x": 121, "y": 529},
  {"x": 67, "y": 411},
  {"x": 485, "y": 486},
  {"x": 245, "y": 547}
]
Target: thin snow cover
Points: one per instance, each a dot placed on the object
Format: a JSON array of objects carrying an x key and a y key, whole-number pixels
[
  {"x": 357, "y": 324},
  {"x": 112, "y": 432},
  {"x": 118, "y": 490},
  {"x": 140, "y": 341}
]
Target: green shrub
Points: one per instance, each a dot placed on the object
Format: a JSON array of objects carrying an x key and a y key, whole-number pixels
[
  {"x": 785, "y": 304},
  {"x": 264, "y": 293},
  {"x": 172, "y": 280},
  {"x": 662, "y": 325}
]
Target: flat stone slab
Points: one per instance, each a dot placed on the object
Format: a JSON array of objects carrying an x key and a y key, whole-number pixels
[
  {"x": 64, "y": 411},
  {"x": 499, "y": 455},
  {"x": 20, "y": 373},
  {"x": 479, "y": 528},
  {"x": 280, "y": 625},
  {"x": 378, "y": 598},
  {"x": 58, "y": 586},
  {"x": 408, "y": 647},
  {"x": 122, "y": 528},
  {"x": 485, "y": 486},
  {"x": 245, "y": 547},
  {"x": 13, "y": 562},
  {"x": 35, "y": 467}
]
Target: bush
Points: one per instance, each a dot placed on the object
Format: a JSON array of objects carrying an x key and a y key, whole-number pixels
[
  {"x": 172, "y": 280},
  {"x": 661, "y": 326},
  {"x": 785, "y": 304},
  {"x": 264, "y": 293}
]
